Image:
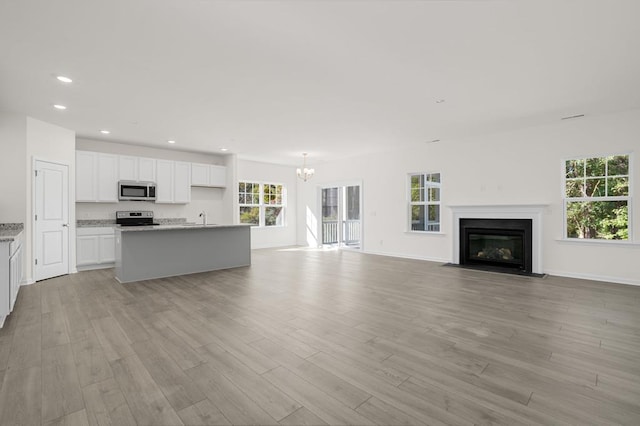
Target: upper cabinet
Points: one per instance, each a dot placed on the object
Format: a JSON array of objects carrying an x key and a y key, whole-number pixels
[
  {"x": 137, "y": 168},
  {"x": 208, "y": 175},
  {"x": 173, "y": 182},
  {"x": 96, "y": 177}
]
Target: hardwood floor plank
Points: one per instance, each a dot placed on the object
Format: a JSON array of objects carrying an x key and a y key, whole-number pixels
[
  {"x": 112, "y": 338},
  {"x": 146, "y": 401},
  {"x": 319, "y": 403},
  {"x": 21, "y": 397},
  {"x": 203, "y": 413},
  {"x": 234, "y": 404},
  {"x": 91, "y": 364},
  {"x": 402, "y": 400},
  {"x": 105, "y": 405},
  {"x": 79, "y": 418},
  {"x": 302, "y": 417},
  {"x": 78, "y": 324},
  {"x": 385, "y": 414},
  {"x": 179, "y": 351},
  {"x": 277, "y": 404},
  {"x": 60, "y": 386},
  {"x": 54, "y": 329},
  {"x": 26, "y": 347},
  {"x": 330, "y": 384},
  {"x": 178, "y": 388}
]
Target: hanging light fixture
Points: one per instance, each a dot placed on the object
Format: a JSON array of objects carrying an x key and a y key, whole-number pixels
[{"x": 304, "y": 173}]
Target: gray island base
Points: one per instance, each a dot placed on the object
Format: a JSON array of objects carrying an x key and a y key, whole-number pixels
[{"x": 148, "y": 252}]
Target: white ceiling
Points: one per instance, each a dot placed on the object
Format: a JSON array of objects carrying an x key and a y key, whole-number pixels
[{"x": 272, "y": 79}]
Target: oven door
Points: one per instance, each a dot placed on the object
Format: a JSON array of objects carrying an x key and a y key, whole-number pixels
[{"x": 133, "y": 191}]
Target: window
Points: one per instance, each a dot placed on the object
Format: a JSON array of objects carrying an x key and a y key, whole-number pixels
[
  {"x": 261, "y": 204},
  {"x": 597, "y": 197},
  {"x": 424, "y": 204}
]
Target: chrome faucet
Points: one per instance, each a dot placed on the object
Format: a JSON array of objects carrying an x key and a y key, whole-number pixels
[{"x": 203, "y": 215}]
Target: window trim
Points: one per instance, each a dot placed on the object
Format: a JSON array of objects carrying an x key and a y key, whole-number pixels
[
  {"x": 628, "y": 199},
  {"x": 261, "y": 205},
  {"x": 426, "y": 203}
]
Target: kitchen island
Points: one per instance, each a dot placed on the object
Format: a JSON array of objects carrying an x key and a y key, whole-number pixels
[{"x": 148, "y": 252}]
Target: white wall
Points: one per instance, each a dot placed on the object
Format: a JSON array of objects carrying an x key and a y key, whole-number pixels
[
  {"x": 214, "y": 201},
  {"x": 13, "y": 198},
  {"x": 271, "y": 173},
  {"x": 52, "y": 143},
  {"x": 516, "y": 167}
]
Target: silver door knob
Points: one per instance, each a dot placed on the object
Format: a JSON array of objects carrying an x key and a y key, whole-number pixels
[{"x": 65, "y": 225}]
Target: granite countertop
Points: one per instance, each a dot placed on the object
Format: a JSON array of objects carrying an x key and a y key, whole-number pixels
[
  {"x": 99, "y": 223},
  {"x": 9, "y": 231},
  {"x": 176, "y": 227}
]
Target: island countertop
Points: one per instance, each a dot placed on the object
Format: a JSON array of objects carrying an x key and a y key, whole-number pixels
[{"x": 172, "y": 227}]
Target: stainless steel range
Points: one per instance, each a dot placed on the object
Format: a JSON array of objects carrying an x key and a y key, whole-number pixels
[{"x": 135, "y": 218}]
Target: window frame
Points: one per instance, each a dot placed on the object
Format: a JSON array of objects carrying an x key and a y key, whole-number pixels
[
  {"x": 628, "y": 198},
  {"x": 262, "y": 205},
  {"x": 425, "y": 201}
]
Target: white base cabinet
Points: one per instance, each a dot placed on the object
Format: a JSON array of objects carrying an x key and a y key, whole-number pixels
[
  {"x": 11, "y": 275},
  {"x": 95, "y": 248}
]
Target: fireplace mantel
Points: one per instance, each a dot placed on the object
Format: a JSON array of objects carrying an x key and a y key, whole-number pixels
[{"x": 504, "y": 211}]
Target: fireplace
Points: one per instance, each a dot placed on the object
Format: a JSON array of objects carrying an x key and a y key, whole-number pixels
[{"x": 497, "y": 244}]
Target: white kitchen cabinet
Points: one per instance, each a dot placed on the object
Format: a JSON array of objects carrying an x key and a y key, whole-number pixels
[
  {"x": 146, "y": 169},
  {"x": 200, "y": 174},
  {"x": 11, "y": 274},
  {"x": 164, "y": 181},
  {"x": 173, "y": 182},
  {"x": 96, "y": 177},
  {"x": 137, "y": 168},
  {"x": 15, "y": 276},
  {"x": 85, "y": 176},
  {"x": 208, "y": 175},
  {"x": 127, "y": 167},
  {"x": 95, "y": 248},
  {"x": 182, "y": 182}
]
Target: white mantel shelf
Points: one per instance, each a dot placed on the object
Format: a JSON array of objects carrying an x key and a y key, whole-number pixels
[{"x": 502, "y": 211}]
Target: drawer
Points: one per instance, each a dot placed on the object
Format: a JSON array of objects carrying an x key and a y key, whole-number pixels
[{"x": 95, "y": 230}]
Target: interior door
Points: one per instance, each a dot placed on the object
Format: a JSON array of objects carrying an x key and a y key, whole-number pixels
[{"x": 51, "y": 220}]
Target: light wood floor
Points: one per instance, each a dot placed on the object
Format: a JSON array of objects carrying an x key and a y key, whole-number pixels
[{"x": 312, "y": 337}]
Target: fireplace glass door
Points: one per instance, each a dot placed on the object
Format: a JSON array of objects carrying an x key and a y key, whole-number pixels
[{"x": 485, "y": 246}]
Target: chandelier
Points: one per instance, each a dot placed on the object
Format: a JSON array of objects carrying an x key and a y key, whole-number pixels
[{"x": 304, "y": 173}]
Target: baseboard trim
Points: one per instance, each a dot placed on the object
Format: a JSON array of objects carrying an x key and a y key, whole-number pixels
[
  {"x": 27, "y": 282},
  {"x": 602, "y": 278},
  {"x": 94, "y": 267}
]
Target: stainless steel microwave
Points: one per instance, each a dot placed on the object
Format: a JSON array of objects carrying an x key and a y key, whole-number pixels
[{"x": 136, "y": 191}]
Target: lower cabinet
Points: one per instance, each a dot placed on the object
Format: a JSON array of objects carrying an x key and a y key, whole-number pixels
[
  {"x": 11, "y": 275},
  {"x": 95, "y": 248}
]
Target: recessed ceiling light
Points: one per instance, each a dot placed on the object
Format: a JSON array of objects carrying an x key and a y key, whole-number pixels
[
  {"x": 105, "y": 132},
  {"x": 56, "y": 106},
  {"x": 64, "y": 79},
  {"x": 224, "y": 149},
  {"x": 171, "y": 141},
  {"x": 439, "y": 101}
]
